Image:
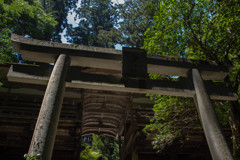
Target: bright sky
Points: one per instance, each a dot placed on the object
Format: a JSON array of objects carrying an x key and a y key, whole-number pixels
[
  {"x": 74, "y": 23},
  {"x": 118, "y": 1}
]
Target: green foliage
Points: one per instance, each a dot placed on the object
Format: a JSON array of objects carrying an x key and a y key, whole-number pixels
[
  {"x": 89, "y": 154},
  {"x": 25, "y": 18},
  {"x": 6, "y": 50},
  {"x": 134, "y": 17},
  {"x": 59, "y": 9},
  {"x": 97, "y": 144},
  {"x": 173, "y": 116},
  {"x": 102, "y": 146},
  {"x": 107, "y": 146},
  {"x": 36, "y": 157},
  {"x": 196, "y": 29},
  {"x": 200, "y": 30},
  {"x": 111, "y": 148},
  {"x": 94, "y": 16},
  {"x": 222, "y": 112}
]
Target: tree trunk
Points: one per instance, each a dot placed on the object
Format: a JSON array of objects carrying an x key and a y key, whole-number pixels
[{"x": 234, "y": 121}]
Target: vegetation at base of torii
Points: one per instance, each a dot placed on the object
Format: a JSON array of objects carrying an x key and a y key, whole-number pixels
[
  {"x": 103, "y": 147},
  {"x": 27, "y": 157},
  {"x": 201, "y": 30},
  {"x": 88, "y": 153}
]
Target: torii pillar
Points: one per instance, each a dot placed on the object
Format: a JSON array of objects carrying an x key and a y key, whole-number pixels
[
  {"x": 45, "y": 130},
  {"x": 215, "y": 139}
]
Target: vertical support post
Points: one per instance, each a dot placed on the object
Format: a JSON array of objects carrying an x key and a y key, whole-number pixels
[
  {"x": 134, "y": 153},
  {"x": 45, "y": 130},
  {"x": 133, "y": 135},
  {"x": 81, "y": 124},
  {"x": 120, "y": 147},
  {"x": 78, "y": 138},
  {"x": 215, "y": 139}
]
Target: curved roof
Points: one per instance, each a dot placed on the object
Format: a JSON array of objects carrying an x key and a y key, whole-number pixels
[{"x": 103, "y": 113}]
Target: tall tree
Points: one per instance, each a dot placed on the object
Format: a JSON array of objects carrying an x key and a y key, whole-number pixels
[
  {"x": 134, "y": 17},
  {"x": 94, "y": 15},
  {"x": 203, "y": 30},
  {"x": 59, "y": 9}
]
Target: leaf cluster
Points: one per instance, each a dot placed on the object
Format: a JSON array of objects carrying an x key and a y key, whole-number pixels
[
  {"x": 59, "y": 9},
  {"x": 173, "y": 116},
  {"x": 25, "y": 18},
  {"x": 88, "y": 154},
  {"x": 35, "y": 157},
  {"x": 94, "y": 16},
  {"x": 103, "y": 147},
  {"x": 199, "y": 30},
  {"x": 133, "y": 19}
]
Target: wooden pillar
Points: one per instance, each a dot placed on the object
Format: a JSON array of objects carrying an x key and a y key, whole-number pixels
[
  {"x": 78, "y": 138},
  {"x": 215, "y": 139},
  {"x": 45, "y": 130},
  {"x": 133, "y": 135},
  {"x": 120, "y": 146},
  {"x": 81, "y": 126},
  {"x": 134, "y": 153}
]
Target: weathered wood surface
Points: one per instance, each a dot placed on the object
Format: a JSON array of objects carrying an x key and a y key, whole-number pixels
[
  {"x": 18, "y": 114},
  {"x": 97, "y": 57},
  {"x": 45, "y": 130},
  {"x": 182, "y": 88},
  {"x": 103, "y": 112},
  {"x": 216, "y": 142}
]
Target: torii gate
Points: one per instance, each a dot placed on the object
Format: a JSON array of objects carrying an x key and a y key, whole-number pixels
[{"x": 135, "y": 65}]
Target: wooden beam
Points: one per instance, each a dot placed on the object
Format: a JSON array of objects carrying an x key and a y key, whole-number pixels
[
  {"x": 97, "y": 57},
  {"x": 111, "y": 133},
  {"x": 93, "y": 117},
  {"x": 81, "y": 55},
  {"x": 182, "y": 88},
  {"x": 103, "y": 111},
  {"x": 182, "y": 67},
  {"x": 100, "y": 126},
  {"x": 107, "y": 95}
]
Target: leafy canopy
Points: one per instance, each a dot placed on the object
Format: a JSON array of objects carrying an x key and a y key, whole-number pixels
[
  {"x": 202, "y": 29},
  {"x": 25, "y": 18},
  {"x": 94, "y": 16},
  {"x": 196, "y": 29},
  {"x": 133, "y": 19},
  {"x": 173, "y": 118},
  {"x": 60, "y": 10}
]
